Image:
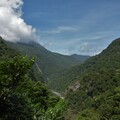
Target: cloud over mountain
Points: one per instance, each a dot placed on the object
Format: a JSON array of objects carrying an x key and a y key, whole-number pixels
[{"x": 12, "y": 25}]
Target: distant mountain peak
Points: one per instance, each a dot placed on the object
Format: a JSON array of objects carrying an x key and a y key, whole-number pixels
[{"x": 80, "y": 57}]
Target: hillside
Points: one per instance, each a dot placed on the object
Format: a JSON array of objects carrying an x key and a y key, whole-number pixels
[
  {"x": 6, "y": 51},
  {"x": 80, "y": 57},
  {"x": 21, "y": 96},
  {"x": 49, "y": 62},
  {"x": 108, "y": 59},
  {"x": 93, "y": 88},
  {"x": 97, "y": 96}
]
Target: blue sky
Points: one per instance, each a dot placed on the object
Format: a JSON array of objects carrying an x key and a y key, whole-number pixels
[{"x": 74, "y": 26}]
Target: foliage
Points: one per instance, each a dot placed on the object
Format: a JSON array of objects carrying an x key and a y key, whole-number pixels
[
  {"x": 22, "y": 98},
  {"x": 108, "y": 59},
  {"x": 6, "y": 51},
  {"x": 108, "y": 104},
  {"x": 56, "y": 112},
  {"x": 51, "y": 64},
  {"x": 38, "y": 95},
  {"x": 88, "y": 114},
  {"x": 99, "y": 79},
  {"x": 13, "y": 104}
]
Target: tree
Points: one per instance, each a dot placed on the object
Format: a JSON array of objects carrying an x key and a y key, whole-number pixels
[
  {"x": 13, "y": 105},
  {"x": 56, "y": 112},
  {"x": 88, "y": 114},
  {"x": 22, "y": 98}
]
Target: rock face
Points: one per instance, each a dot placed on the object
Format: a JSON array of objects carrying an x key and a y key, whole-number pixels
[{"x": 74, "y": 87}]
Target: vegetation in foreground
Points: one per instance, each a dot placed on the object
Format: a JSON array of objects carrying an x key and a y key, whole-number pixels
[
  {"x": 21, "y": 96},
  {"x": 24, "y": 99}
]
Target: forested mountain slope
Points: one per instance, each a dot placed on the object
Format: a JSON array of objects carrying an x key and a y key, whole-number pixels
[
  {"x": 98, "y": 94},
  {"x": 6, "y": 51},
  {"x": 108, "y": 59},
  {"x": 49, "y": 62},
  {"x": 21, "y": 96}
]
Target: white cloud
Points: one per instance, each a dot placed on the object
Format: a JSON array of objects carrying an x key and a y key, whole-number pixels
[
  {"x": 12, "y": 25},
  {"x": 61, "y": 29}
]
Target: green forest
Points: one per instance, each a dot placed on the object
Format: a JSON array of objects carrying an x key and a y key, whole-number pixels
[
  {"x": 21, "y": 97},
  {"x": 90, "y": 89},
  {"x": 98, "y": 95}
]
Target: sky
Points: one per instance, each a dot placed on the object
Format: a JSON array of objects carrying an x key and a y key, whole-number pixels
[{"x": 84, "y": 27}]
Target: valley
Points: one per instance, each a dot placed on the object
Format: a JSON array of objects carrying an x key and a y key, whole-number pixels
[
  {"x": 60, "y": 60},
  {"x": 89, "y": 85}
]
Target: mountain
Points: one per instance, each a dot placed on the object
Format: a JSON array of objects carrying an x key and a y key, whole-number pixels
[
  {"x": 6, "y": 51},
  {"x": 95, "y": 90},
  {"x": 80, "y": 57},
  {"x": 49, "y": 63},
  {"x": 108, "y": 59},
  {"x": 93, "y": 87},
  {"x": 21, "y": 97}
]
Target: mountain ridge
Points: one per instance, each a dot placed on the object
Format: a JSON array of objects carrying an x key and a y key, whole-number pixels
[
  {"x": 50, "y": 63},
  {"x": 96, "y": 62},
  {"x": 99, "y": 86}
]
